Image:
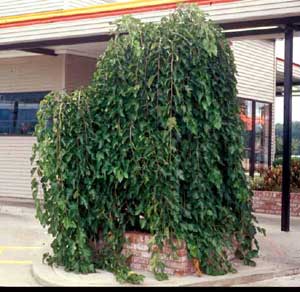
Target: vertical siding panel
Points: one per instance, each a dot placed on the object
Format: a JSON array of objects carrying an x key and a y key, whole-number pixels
[
  {"x": 255, "y": 69},
  {"x": 15, "y": 177},
  {"x": 34, "y": 73}
]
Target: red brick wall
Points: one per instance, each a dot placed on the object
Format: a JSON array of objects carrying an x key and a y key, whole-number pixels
[
  {"x": 137, "y": 246},
  {"x": 269, "y": 202}
]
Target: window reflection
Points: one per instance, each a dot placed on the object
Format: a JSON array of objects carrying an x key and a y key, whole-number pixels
[
  {"x": 262, "y": 134},
  {"x": 6, "y": 116},
  {"x": 18, "y": 112},
  {"x": 246, "y": 117},
  {"x": 26, "y": 118},
  {"x": 256, "y": 139}
]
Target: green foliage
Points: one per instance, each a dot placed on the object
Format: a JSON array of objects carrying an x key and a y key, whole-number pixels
[
  {"x": 295, "y": 130},
  {"x": 295, "y": 139},
  {"x": 157, "y": 267},
  {"x": 117, "y": 263},
  {"x": 278, "y": 161},
  {"x": 153, "y": 144},
  {"x": 270, "y": 179}
]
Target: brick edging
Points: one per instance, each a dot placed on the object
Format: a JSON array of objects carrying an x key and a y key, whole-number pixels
[
  {"x": 137, "y": 247},
  {"x": 269, "y": 202}
]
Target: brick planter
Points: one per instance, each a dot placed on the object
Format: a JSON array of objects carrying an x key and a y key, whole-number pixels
[
  {"x": 269, "y": 202},
  {"x": 140, "y": 259},
  {"x": 140, "y": 256},
  {"x": 176, "y": 263}
]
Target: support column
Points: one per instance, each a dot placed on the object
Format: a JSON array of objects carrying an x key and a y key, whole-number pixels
[
  {"x": 252, "y": 153},
  {"x": 286, "y": 170}
]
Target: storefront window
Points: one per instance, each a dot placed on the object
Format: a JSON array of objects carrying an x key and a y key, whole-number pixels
[
  {"x": 262, "y": 134},
  {"x": 246, "y": 117},
  {"x": 18, "y": 112},
  {"x": 256, "y": 118},
  {"x": 6, "y": 116}
]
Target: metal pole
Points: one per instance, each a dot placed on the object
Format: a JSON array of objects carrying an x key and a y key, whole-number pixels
[
  {"x": 252, "y": 153},
  {"x": 286, "y": 170}
]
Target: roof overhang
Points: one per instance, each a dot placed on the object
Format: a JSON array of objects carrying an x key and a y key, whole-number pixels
[{"x": 240, "y": 19}]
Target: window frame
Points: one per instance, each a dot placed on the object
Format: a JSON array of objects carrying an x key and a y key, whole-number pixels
[{"x": 253, "y": 133}]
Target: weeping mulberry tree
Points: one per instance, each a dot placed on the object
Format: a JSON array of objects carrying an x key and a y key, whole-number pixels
[{"x": 153, "y": 144}]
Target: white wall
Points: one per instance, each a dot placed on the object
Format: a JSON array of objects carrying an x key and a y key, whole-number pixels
[
  {"x": 256, "y": 71},
  {"x": 33, "y": 73},
  {"x": 15, "y": 177},
  {"x": 17, "y": 7},
  {"x": 28, "y": 74}
]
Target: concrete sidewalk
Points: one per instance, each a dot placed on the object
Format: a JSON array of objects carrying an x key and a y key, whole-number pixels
[
  {"x": 47, "y": 276},
  {"x": 23, "y": 241},
  {"x": 279, "y": 256}
]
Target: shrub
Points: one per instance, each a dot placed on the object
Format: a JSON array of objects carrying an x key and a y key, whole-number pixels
[
  {"x": 153, "y": 144},
  {"x": 278, "y": 161},
  {"x": 271, "y": 178}
]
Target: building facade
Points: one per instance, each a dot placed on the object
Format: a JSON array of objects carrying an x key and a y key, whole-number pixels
[{"x": 46, "y": 46}]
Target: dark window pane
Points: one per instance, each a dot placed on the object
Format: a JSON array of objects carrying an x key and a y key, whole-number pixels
[
  {"x": 26, "y": 118},
  {"x": 6, "y": 117},
  {"x": 18, "y": 112}
]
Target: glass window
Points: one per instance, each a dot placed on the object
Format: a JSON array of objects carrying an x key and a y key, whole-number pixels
[
  {"x": 18, "y": 112},
  {"x": 6, "y": 116},
  {"x": 26, "y": 118},
  {"x": 246, "y": 117},
  {"x": 262, "y": 134},
  {"x": 256, "y": 117}
]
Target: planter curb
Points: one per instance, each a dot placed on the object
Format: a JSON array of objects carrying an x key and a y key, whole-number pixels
[{"x": 56, "y": 276}]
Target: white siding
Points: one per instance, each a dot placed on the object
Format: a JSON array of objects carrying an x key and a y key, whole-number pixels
[
  {"x": 253, "y": 10},
  {"x": 34, "y": 73},
  {"x": 256, "y": 74},
  {"x": 227, "y": 12},
  {"x": 18, "y": 7},
  {"x": 280, "y": 70},
  {"x": 83, "y": 3},
  {"x": 24, "y": 74},
  {"x": 15, "y": 177}
]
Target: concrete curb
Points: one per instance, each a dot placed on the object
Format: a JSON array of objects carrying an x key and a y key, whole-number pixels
[
  {"x": 56, "y": 276},
  {"x": 248, "y": 279}
]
